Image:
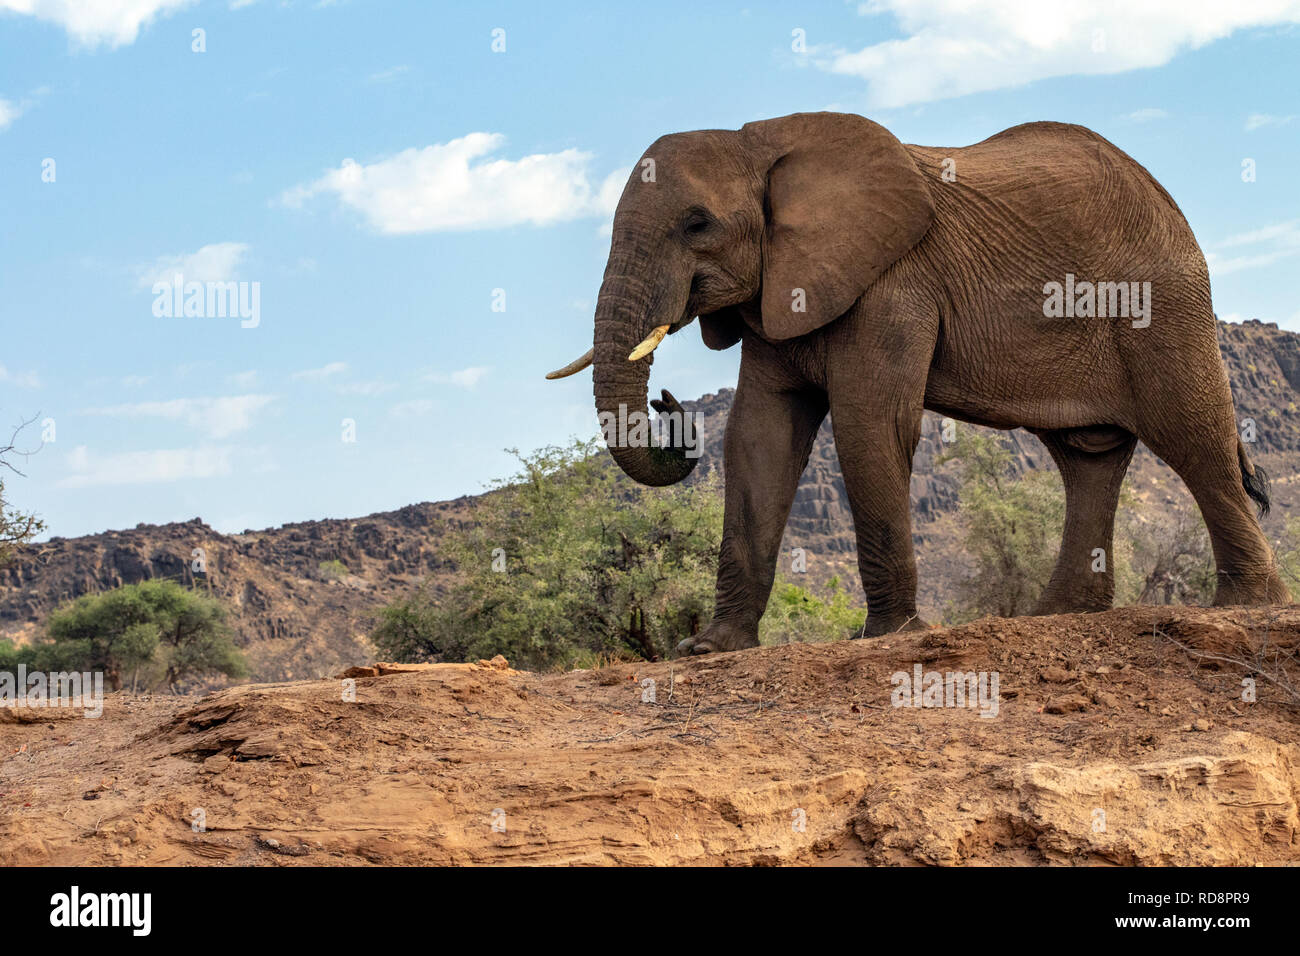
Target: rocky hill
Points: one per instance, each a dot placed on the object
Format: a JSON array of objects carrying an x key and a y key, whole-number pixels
[{"x": 297, "y": 617}]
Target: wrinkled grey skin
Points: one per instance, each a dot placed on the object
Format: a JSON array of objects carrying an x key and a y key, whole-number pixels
[{"x": 921, "y": 292}]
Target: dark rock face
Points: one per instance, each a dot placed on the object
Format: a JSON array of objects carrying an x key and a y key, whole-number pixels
[
  {"x": 293, "y": 619},
  {"x": 296, "y": 621}
]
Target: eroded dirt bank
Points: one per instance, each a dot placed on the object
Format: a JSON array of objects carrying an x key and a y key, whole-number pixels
[{"x": 1112, "y": 744}]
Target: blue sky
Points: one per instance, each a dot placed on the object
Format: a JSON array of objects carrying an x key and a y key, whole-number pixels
[{"x": 379, "y": 171}]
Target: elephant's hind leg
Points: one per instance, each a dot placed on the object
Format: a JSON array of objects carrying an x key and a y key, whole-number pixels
[
  {"x": 1201, "y": 445},
  {"x": 1207, "y": 459},
  {"x": 1092, "y": 462}
]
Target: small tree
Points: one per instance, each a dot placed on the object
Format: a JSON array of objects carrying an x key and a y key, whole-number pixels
[
  {"x": 566, "y": 560},
  {"x": 156, "y": 629},
  {"x": 569, "y": 563},
  {"x": 1173, "y": 562},
  {"x": 16, "y": 527},
  {"x": 1012, "y": 527}
]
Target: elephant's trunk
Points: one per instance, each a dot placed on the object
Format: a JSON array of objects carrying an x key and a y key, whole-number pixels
[{"x": 625, "y": 314}]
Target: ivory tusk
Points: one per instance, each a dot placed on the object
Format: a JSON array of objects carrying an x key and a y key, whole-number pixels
[
  {"x": 650, "y": 344},
  {"x": 574, "y": 367}
]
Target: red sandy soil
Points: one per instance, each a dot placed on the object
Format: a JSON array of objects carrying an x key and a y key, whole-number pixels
[{"x": 1121, "y": 738}]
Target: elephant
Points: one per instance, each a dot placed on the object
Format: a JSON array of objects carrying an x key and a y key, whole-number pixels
[{"x": 1000, "y": 284}]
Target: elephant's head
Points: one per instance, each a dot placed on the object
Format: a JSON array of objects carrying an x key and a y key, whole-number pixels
[{"x": 783, "y": 223}]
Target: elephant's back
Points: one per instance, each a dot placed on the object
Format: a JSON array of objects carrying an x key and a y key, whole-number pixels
[
  {"x": 1043, "y": 187},
  {"x": 1040, "y": 207}
]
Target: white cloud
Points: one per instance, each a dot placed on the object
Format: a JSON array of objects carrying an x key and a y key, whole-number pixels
[
  {"x": 9, "y": 111},
  {"x": 1259, "y": 248},
  {"x": 215, "y": 417},
  {"x": 216, "y": 262},
  {"x": 412, "y": 408},
  {"x": 954, "y": 47},
  {"x": 1258, "y": 120},
  {"x": 19, "y": 379},
  {"x": 93, "y": 22},
  {"x": 1146, "y": 115},
  {"x": 386, "y": 76},
  {"x": 134, "y": 381},
  {"x": 243, "y": 379},
  {"x": 456, "y": 185},
  {"x": 322, "y": 373},
  {"x": 365, "y": 388},
  {"x": 465, "y": 378},
  {"x": 143, "y": 467}
]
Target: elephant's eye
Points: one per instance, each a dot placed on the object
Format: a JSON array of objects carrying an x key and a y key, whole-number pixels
[{"x": 697, "y": 223}]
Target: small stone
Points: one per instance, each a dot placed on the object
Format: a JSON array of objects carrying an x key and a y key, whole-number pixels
[
  {"x": 1056, "y": 675},
  {"x": 1202, "y": 724},
  {"x": 1066, "y": 704},
  {"x": 1105, "y": 699},
  {"x": 354, "y": 672},
  {"x": 216, "y": 763}
]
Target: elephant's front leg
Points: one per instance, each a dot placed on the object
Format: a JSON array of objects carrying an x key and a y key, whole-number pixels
[
  {"x": 875, "y": 439},
  {"x": 770, "y": 434}
]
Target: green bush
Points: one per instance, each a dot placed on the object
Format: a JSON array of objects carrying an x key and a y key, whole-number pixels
[
  {"x": 569, "y": 563},
  {"x": 795, "y": 614},
  {"x": 565, "y": 560},
  {"x": 11, "y": 656},
  {"x": 333, "y": 570},
  {"x": 1172, "y": 561},
  {"x": 1012, "y": 528},
  {"x": 155, "y": 633}
]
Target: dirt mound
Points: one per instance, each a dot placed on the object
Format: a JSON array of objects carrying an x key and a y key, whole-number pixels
[{"x": 1117, "y": 738}]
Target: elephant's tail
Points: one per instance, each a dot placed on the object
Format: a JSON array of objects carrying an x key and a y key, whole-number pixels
[{"x": 1254, "y": 479}]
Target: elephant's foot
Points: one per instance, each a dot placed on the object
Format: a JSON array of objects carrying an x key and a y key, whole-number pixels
[
  {"x": 718, "y": 637},
  {"x": 1255, "y": 589},
  {"x": 880, "y": 624},
  {"x": 1080, "y": 602}
]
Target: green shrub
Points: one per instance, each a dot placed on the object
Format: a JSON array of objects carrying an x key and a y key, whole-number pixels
[
  {"x": 333, "y": 570},
  {"x": 155, "y": 633},
  {"x": 795, "y": 614},
  {"x": 569, "y": 563},
  {"x": 1012, "y": 528},
  {"x": 566, "y": 560}
]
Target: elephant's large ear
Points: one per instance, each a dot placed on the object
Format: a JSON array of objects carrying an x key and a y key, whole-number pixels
[
  {"x": 844, "y": 202},
  {"x": 722, "y": 329}
]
